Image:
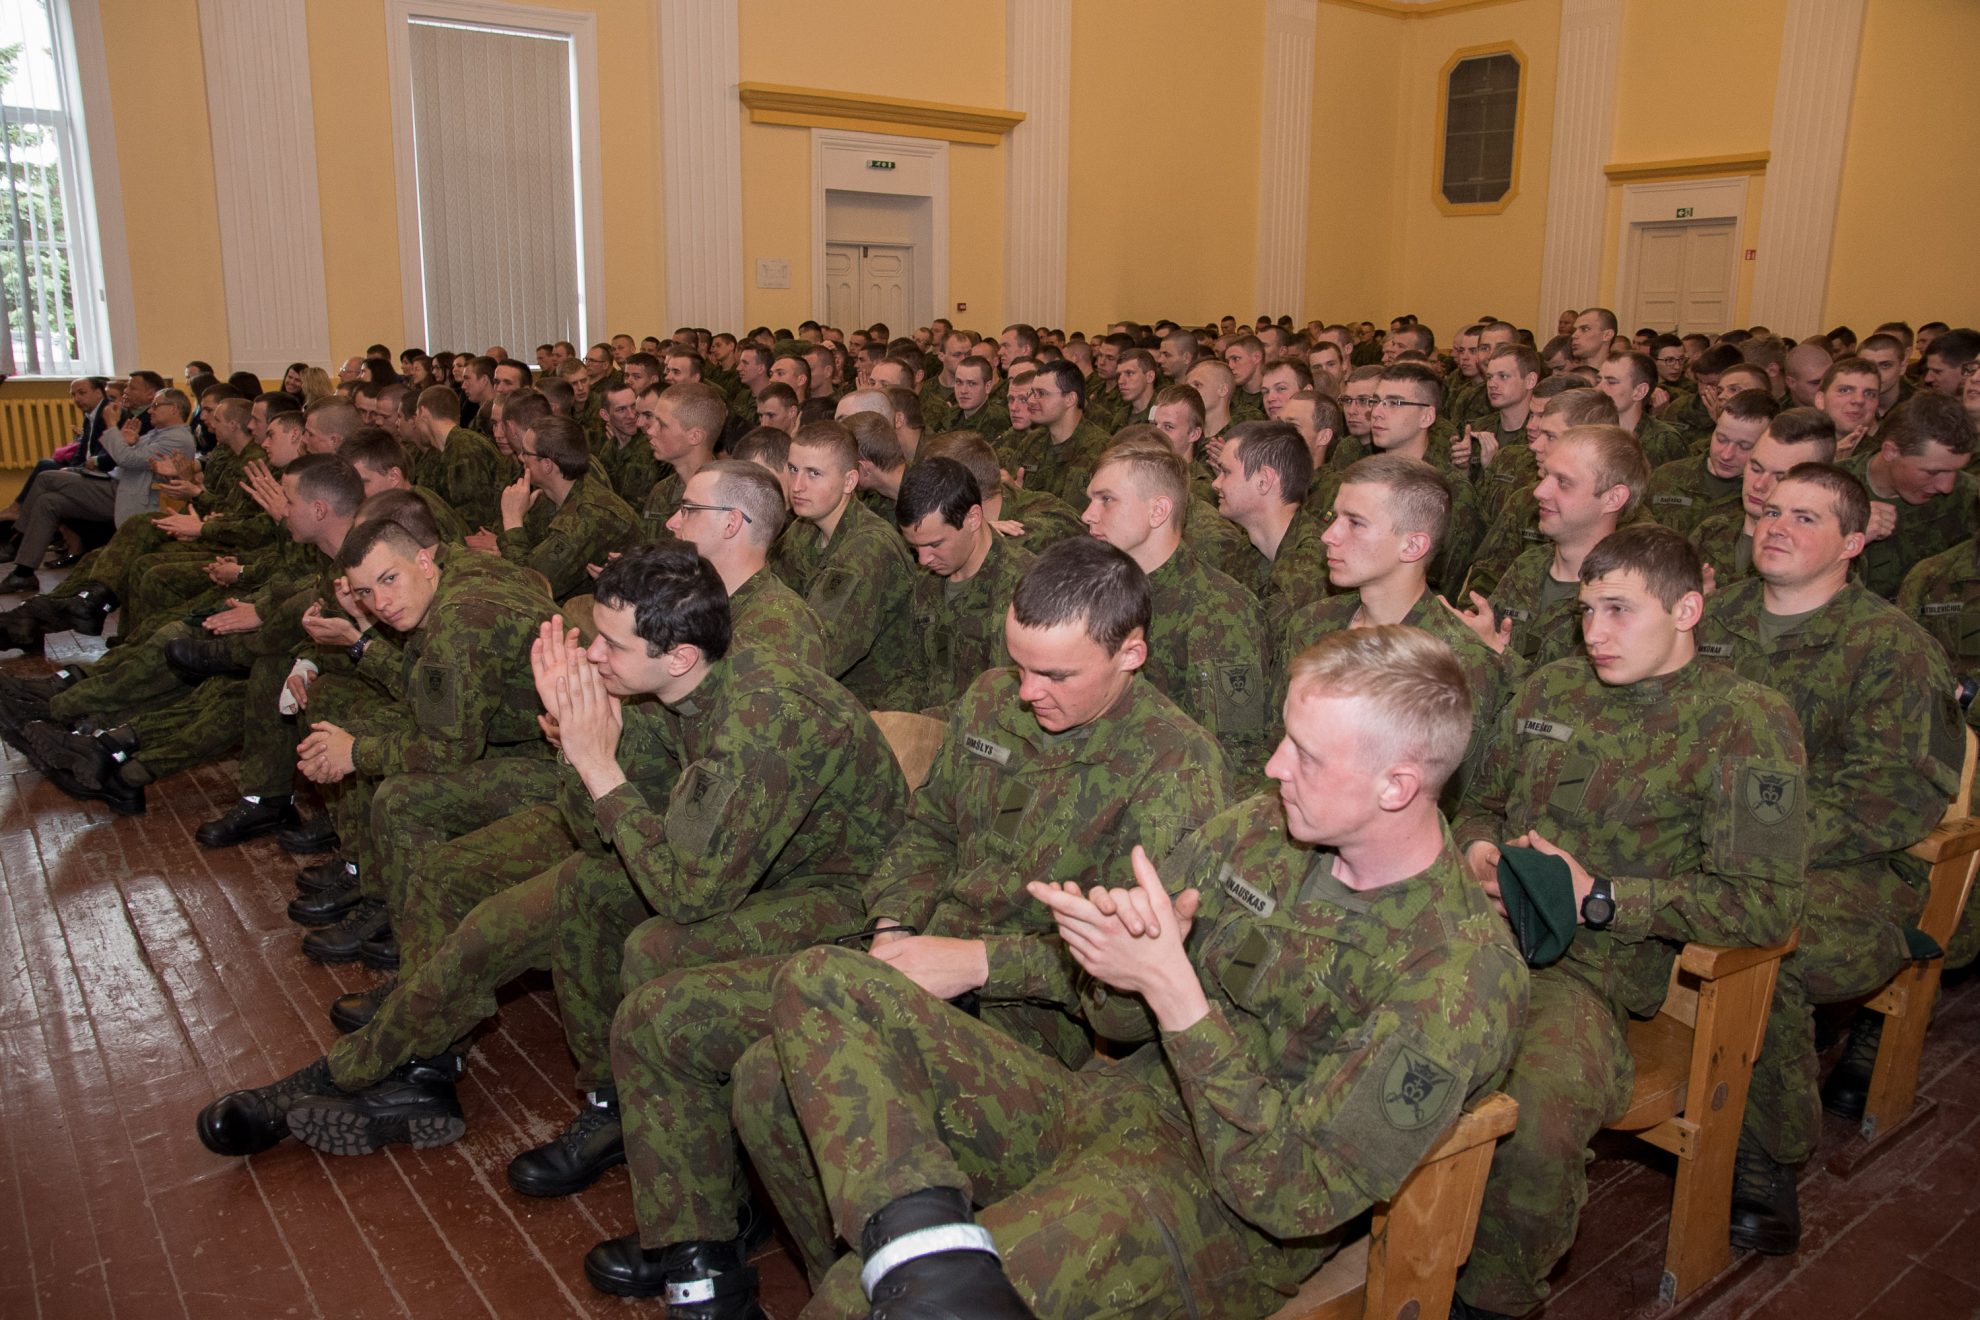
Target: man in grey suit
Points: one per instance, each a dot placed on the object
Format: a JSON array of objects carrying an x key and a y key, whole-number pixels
[{"x": 110, "y": 487}]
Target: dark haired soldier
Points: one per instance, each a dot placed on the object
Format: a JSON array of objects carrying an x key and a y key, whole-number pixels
[
  {"x": 1922, "y": 498},
  {"x": 958, "y": 603},
  {"x": 559, "y": 517},
  {"x": 1058, "y": 451}
]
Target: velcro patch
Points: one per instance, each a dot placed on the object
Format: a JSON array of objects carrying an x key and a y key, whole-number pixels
[
  {"x": 1769, "y": 797},
  {"x": 1547, "y": 729},
  {"x": 1716, "y": 650},
  {"x": 1938, "y": 609},
  {"x": 832, "y": 591},
  {"x": 1672, "y": 501},
  {"x": 983, "y": 747},
  {"x": 1240, "y": 692},
  {"x": 1415, "y": 1091},
  {"x": 1263, "y": 905},
  {"x": 436, "y": 696},
  {"x": 699, "y": 802}
]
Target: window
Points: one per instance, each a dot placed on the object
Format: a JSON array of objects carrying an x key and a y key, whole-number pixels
[
  {"x": 50, "y": 273},
  {"x": 1478, "y": 138},
  {"x": 496, "y": 182}
]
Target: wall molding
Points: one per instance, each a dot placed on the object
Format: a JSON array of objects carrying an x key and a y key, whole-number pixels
[
  {"x": 1038, "y": 57},
  {"x": 1687, "y": 167},
  {"x": 812, "y": 107},
  {"x": 1820, "y": 44},
  {"x": 1285, "y": 156},
  {"x": 1584, "y": 125},
  {"x": 265, "y": 183},
  {"x": 1414, "y": 8},
  {"x": 701, "y": 141},
  {"x": 838, "y": 162}
]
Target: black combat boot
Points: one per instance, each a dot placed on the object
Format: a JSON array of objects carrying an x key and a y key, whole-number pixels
[
  {"x": 85, "y": 612},
  {"x": 196, "y": 659},
  {"x": 706, "y": 1280},
  {"x": 327, "y": 906},
  {"x": 1847, "y": 1088},
  {"x": 325, "y": 876},
  {"x": 249, "y": 1122},
  {"x": 315, "y": 835},
  {"x": 926, "y": 1259},
  {"x": 249, "y": 818},
  {"x": 354, "y": 1011},
  {"x": 344, "y": 942},
  {"x": 41, "y": 689},
  {"x": 1766, "y": 1212},
  {"x": 415, "y": 1106},
  {"x": 573, "y": 1159}
]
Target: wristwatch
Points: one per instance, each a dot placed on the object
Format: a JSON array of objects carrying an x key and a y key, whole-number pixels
[
  {"x": 1599, "y": 908},
  {"x": 356, "y": 652}
]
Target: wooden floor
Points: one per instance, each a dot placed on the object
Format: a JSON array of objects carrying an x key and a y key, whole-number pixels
[{"x": 144, "y": 975}]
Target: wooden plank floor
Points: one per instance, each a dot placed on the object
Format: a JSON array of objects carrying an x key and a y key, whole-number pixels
[{"x": 144, "y": 975}]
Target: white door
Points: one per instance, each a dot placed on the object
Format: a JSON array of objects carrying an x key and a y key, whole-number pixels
[
  {"x": 885, "y": 272},
  {"x": 1682, "y": 276},
  {"x": 842, "y": 285}
]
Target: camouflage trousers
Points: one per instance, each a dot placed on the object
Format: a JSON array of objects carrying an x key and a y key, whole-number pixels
[
  {"x": 268, "y": 737},
  {"x": 198, "y": 728},
  {"x": 1090, "y": 1182},
  {"x": 1573, "y": 1073},
  {"x": 438, "y": 1002},
  {"x": 675, "y": 1039},
  {"x": 414, "y": 813},
  {"x": 345, "y": 701},
  {"x": 1852, "y": 943},
  {"x": 110, "y": 564},
  {"x": 448, "y": 879},
  {"x": 130, "y": 679},
  {"x": 169, "y": 585}
]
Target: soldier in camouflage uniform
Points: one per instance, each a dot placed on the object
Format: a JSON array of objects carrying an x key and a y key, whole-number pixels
[
  {"x": 560, "y": 517},
  {"x": 1513, "y": 474},
  {"x": 959, "y": 601},
  {"x": 1207, "y": 638},
  {"x": 1628, "y": 377},
  {"x": 1672, "y": 790},
  {"x": 1388, "y": 517},
  {"x": 735, "y": 873},
  {"x": 1884, "y": 748},
  {"x": 1137, "y": 379},
  {"x": 1942, "y": 596},
  {"x": 1262, "y": 475},
  {"x": 1405, "y": 420},
  {"x": 1031, "y": 517},
  {"x": 732, "y": 513},
  {"x": 457, "y": 464},
  {"x": 1218, "y": 1166},
  {"x": 975, "y": 411},
  {"x": 1510, "y": 375},
  {"x": 1059, "y": 448},
  {"x": 620, "y": 449},
  {"x": 1923, "y": 500},
  {"x": 1725, "y": 540},
  {"x": 851, "y": 568},
  {"x": 682, "y": 424},
  {"x": 1686, "y": 492}
]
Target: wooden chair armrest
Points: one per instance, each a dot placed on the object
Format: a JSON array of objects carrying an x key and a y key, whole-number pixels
[
  {"x": 1953, "y": 838},
  {"x": 1710, "y": 962}
]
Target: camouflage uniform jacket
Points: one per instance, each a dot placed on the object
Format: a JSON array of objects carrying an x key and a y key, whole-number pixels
[
  {"x": 1542, "y": 632},
  {"x": 1006, "y": 803},
  {"x": 1047, "y": 518},
  {"x": 959, "y": 627},
  {"x": 1295, "y": 577},
  {"x": 768, "y": 776},
  {"x": 466, "y": 472},
  {"x": 1063, "y": 469},
  {"x": 1923, "y": 530},
  {"x": 662, "y": 498},
  {"x": 1942, "y": 596},
  {"x": 558, "y": 540},
  {"x": 465, "y": 675},
  {"x": 1661, "y": 442},
  {"x": 990, "y": 420},
  {"x": 1722, "y": 542},
  {"x": 1685, "y": 493},
  {"x": 1689, "y": 415},
  {"x": 1346, "y": 1029},
  {"x": 631, "y": 468},
  {"x": 1206, "y": 653},
  {"x": 859, "y": 586},
  {"x": 232, "y": 520},
  {"x": 1685, "y": 792},
  {"x": 1874, "y": 699},
  {"x": 768, "y": 618}
]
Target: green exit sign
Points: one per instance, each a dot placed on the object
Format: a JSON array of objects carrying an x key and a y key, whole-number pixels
[
  {"x": 879, "y": 164},
  {"x": 1684, "y": 213}
]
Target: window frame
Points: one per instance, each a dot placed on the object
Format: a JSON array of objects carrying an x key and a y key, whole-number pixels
[{"x": 1458, "y": 57}]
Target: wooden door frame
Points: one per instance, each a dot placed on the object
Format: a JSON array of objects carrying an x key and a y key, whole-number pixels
[
  {"x": 1661, "y": 202},
  {"x": 841, "y": 161}
]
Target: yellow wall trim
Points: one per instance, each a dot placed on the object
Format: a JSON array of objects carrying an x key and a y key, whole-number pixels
[
  {"x": 1443, "y": 109},
  {"x": 811, "y": 107},
  {"x": 1688, "y": 167},
  {"x": 1415, "y": 8}
]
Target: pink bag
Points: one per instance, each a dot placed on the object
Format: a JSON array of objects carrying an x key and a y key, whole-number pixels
[{"x": 67, "y": 453}]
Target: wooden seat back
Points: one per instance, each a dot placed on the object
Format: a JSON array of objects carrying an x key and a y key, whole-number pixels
[
  {"x": 915, "y": 739},
  {"x": 1408, "y": 1262}
]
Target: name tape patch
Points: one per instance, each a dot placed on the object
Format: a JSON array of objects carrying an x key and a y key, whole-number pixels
[
  {"x": 1262, "y": 905},
  {"x": 986, "y": 749},
  {"x": 1547, "y": 729}
]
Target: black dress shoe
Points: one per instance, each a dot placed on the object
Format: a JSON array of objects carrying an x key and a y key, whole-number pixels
[
  {"x": 315, "y": 835},
  {"x": 250, "y": 818},
  {"x": 1846, "y": 1090},
  {"x": 328, "y": 906},
  {"x": 64, "y": 558},
  {"x": 324, "y": 876},
  {"x": 22, "y": 581},
  {"x": 344, "y": 941},
  {"x": 249, "y": 1122},
  {"x": 415, "y": 1106},
  {"x": 1766, "y": 1211},
  {"x": 573, "y": 1159},
  {"x": 381, "y": 953},
  {"x": 197, "y": 659},
  {"x": 965, "y": 1280},
  {"x": 354, "y": 1011},
  {"x": 711, "y": 1273}
]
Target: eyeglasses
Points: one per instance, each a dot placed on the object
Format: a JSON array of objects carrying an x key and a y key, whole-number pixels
[
  {"x": 1392, "y": 401},
  {"x": 1970, "y": 367},
  {"x": 686, "y": 507},
  {"x": 1358, "y": 400}
]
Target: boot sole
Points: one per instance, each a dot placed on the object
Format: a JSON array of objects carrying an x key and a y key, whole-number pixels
[
  {"x": 339, "y": 1131},
  {"x": 78, "y": 765},
  {"x": 614, "y": 1286}
]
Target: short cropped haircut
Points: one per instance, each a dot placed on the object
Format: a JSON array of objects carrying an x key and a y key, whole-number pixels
[
  {"x": 1425, "y": 379},
  {"x": 936, "y": 485},
  {"x": 1415, "y": 685},
  {"x": 1419, "y": 497},
  {"x": 879, "y": 444},
  {"x": 1155, "y": 468},
  {"x": 329, "y": 478},
  {"x": 1141, "y": 358},
  {"x": 375, "y": 448},
  {"x": 1582, "y": 406},
  {"x": 1955, "y": 348},
  {"x": 1327, "y": 414},
  {"x": 1279, "y": 446},
  {"x": 233, "y": 411},
  {"x": 1848, "y": 366},
  {"x": 1067, "y": 377},
  {"x": 1619, "y": 461},
  {"x": 972, "y": 451},
  {"x": 837, "y": 442},
  {"x": 1640, "y": 366},
  {"x": 1171, "y": 395},
  {"x": 1717, "y": 359},
  {"x": 557, "y": 392},
  {"x": 441, "y": 404},
  {"x": 1847, "y": 495},
  {"x": 561, "y": 441},
  {"x": 1753, "y": 406},
  {"x": 675, "y": 595},
  {"x": 779, "y": 392},
  {"x": 1526, "y": 362},
  {"x": 746, "y": 486},
  {"x": 1300, "y": 370},
  {"x": 523, "y": 409},
  {"x": 906, "y": 405},
  {"x": 275, "y": 403},
  {"x": 762, "y": 444},
  {"x": 1089, "y": 582},
  {"x": 698, "y": 407},
  {"x": 368, "y": 536},
  {"x": 406, "y": 509},
  {"x": 1803, "y": 426},
  {"x": 1668, "y": 563},
  {"x": 1929, "y": 419},
  {"x": 333, "y": 416}
]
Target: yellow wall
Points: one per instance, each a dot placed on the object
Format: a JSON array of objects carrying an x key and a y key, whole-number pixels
[
  {"x": 1163, "y": 197},
  {"x": 1904, "y": 246},
  {"x": 1353, "y": 244}
]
